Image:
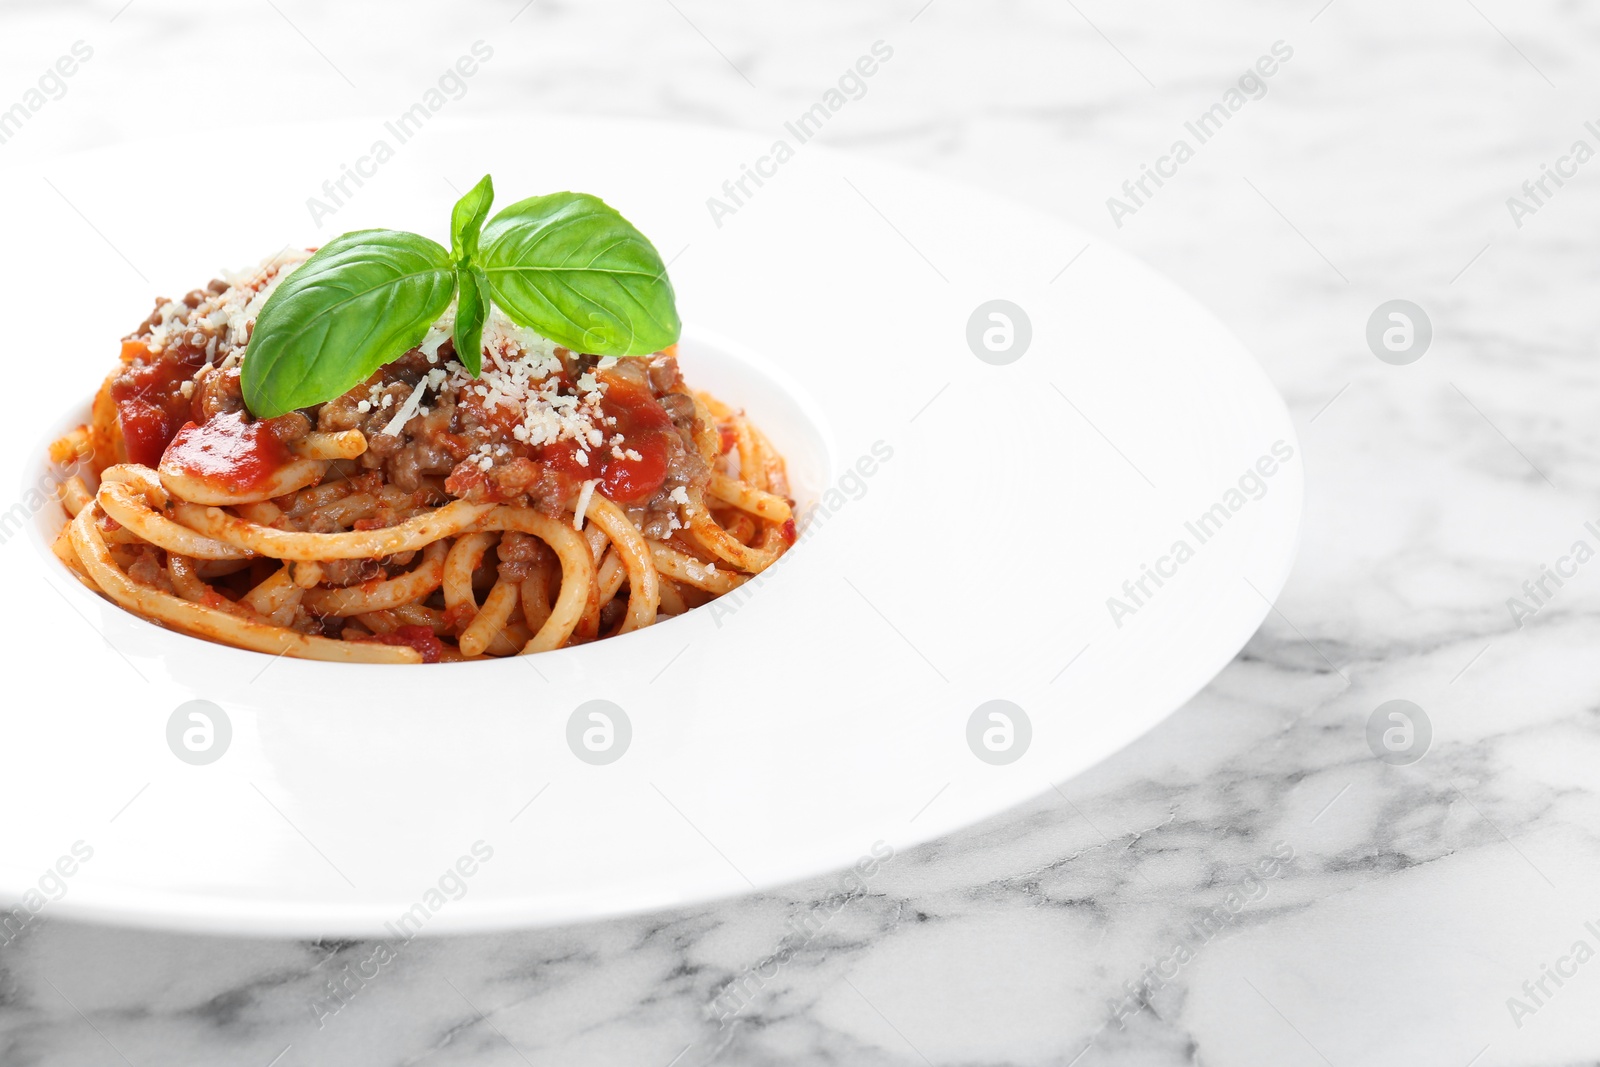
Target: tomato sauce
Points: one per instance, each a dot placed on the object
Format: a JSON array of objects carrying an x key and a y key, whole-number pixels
[
  {"x": 148, "y": 395},
  {"x": 227, "y": 451},
  {"x": 646, "y": 429},
  {"x": 421, "y": 638}
]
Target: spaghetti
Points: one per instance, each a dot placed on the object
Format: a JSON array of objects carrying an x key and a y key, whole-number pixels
[{"x": 426, "y": 515}]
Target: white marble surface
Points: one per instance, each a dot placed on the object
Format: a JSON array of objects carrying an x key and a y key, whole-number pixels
[{"x": 1418, "y": 899}]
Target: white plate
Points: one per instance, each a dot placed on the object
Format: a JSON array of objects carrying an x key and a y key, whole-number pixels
[{"x": 827, "y": 713}]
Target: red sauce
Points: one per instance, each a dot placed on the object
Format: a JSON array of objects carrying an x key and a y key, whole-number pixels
[
  {"x": 226, "y": 451},
  {"x": 729, "y": 438},
  {"x": 150, "y": 402},
  {"x": 646, "y": 429},
  {"x": 421, "y": 638},
  {"x": 459, "y": 617}
]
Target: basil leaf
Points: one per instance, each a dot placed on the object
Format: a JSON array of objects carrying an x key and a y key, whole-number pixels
[
  {"x": 466, "y": 221},
  {"x": 472, "y": 308},
  {"x": 363, "y": 300},
  {"x": 569, "y": 267}
]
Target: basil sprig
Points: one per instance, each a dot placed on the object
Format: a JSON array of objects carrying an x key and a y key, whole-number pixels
[
  {"x": 472, "y": 310},
  {"x": 566, "y": 266},
  {"x": 591, "y": 282},
  {"x": 472, "y": 303},
  {"x": 466, "y": 220},
  {"x": 363, "y": 299}
]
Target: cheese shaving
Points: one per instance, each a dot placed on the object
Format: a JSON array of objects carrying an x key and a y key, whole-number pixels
[
  {"x": 408, "y": 409},
  {"x": 582, "y": 507}
]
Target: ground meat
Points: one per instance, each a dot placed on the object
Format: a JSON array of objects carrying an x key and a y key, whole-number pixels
[
  {"x": 664, "y": 375},
  {"x": 420, "y": 453},
  {"x": 340, "y": 414},
  {"x": 216, "y": 392},
  {"x": 147, "y": 569},
  {"x": 519, "y": 553},
  {"x": 519, "y": 480},
  {"x": 680, "y": 408},
  {"x": 684, "y": 467},
  {"x": 611, "y": 615},
  {"x": 192, "y": 343},
  {"x": 550, "y": 493},
  {"x": 381, "y": 447},
  {"x": 413, "y": 462},
  {"x": 289, "y": 428},
  {"x": 657, "y": 525},
  {"x": 350, "y": 571},
  {"x": 427, "y": 451}
]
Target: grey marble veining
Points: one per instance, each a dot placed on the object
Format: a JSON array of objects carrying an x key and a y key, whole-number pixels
[{"x": 1245, "y": 885}]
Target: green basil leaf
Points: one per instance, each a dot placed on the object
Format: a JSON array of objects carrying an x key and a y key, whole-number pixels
[
  {"x": 466, "y": 220},
  {"x": 569, "y": 267},
  {"x": 364, "y": 299},
  {"x": 472, "y": 308}
]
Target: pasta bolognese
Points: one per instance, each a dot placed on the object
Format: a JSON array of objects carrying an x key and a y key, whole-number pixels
[{"x": 430, "y": 513}]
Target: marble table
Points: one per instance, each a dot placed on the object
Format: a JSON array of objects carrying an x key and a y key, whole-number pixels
[{"x": 1249, "y": 883}]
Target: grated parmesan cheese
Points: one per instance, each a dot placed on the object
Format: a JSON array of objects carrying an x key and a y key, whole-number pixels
[
  {"x": 408, "y": 409},
  {"x": 249, "y": 291},
  {"x": 582, "y": 507}
]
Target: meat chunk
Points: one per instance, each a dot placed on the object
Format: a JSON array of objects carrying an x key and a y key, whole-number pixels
[
  {"x": 216, "y": 392},
  {"x": 519, "y": 554}
]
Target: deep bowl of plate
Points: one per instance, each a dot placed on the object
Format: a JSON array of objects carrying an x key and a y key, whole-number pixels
[{"x": 1085, "y": 526}]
